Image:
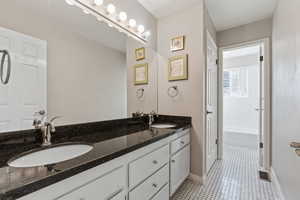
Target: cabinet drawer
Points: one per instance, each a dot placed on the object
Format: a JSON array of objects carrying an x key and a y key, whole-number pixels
[
  {"x": 151, "y": 186},
  {"x": 179, "y": 143},
  {"x": 163, "y": 194},
  {"x": 108, "y": 187},
  {"x": 142, "y": 168}
]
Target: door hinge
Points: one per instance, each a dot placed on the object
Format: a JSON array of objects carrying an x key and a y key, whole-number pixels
[
  {"x": 261, "y": 145},
  {"x": 261, "y": 58},
  {"x": 217, "y": 141},
  {"x": 217, "y": 62}
]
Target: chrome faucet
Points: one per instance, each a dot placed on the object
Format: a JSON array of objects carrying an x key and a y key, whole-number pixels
[
  {"x": 151, "y": 117},
  {"x": 46, "y": 126}
]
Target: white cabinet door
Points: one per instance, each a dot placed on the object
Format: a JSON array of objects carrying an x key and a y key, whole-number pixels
[
  {"x": 180, "y": 168},
  {"x": 26, "y": 91}
]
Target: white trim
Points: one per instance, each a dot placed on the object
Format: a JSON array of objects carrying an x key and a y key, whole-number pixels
[
  {"x": 276, "y": 184},
  {"x": 196, "y": 179},
  {"x": 267, "y": 107}
]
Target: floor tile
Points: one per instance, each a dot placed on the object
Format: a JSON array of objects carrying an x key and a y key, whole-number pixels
[{"x": 233, "y": 178}]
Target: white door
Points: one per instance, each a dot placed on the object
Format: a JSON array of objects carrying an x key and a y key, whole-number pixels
[
  {"x": 211, "y": 103},
  {"x": 26, "y": 91}
]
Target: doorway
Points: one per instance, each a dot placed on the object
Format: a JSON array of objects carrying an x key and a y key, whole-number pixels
[{"x": 244, "y": 101}]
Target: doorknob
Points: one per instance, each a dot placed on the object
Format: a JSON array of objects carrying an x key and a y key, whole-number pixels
[{"x": 295, "y": 145}]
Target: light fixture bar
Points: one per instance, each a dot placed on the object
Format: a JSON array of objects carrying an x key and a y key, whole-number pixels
[{"x": 88, "y": 6}]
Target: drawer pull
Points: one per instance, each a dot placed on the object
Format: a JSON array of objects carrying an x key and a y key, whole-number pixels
[
  {"x": 154, "y": 162},
  {"x": 154, "y": 185},
  {"x": 114, "y": 194},
  {"x": 182, "y": 142}
]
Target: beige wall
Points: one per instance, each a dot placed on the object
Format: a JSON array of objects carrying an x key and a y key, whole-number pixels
[
  {"x": 249, "y": 32},
  {"x": 149, "y": 102},
  {"x": 86, "y": 81},
  {"x": 190, "y": 101},
  {"x": 286, "y": 96}
]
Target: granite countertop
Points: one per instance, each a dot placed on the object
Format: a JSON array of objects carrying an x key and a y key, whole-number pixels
[{"x": 108, "y": 143}]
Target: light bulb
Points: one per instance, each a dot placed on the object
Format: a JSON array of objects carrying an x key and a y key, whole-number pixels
[
  {"x": 70, "y": 2},
  {"x": 111, "y": 9},
  {"x": 86, "y": 12},
  {"x": 141, "y": 28},
  {"x": 98, "y": 2},
  {"x": 132, "y": 23},
  {"x": 147, "y": 33},
  {"x": 122, "y": 16}
]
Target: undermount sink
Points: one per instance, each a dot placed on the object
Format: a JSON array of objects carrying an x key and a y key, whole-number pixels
[
  {"x": 163, "y": 125},
  {"x": 50, "y": 155}
]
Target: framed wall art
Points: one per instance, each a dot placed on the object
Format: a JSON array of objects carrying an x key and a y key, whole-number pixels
[
  {"x": 178, "y": 68},
  {"x": 141, "y": 74},
  {"x": 178, "y": 43},
  {"x": 140, "y": 54}
]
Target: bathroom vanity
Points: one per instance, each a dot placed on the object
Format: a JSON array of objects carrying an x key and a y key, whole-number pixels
[{"x": 136, "y": 163}]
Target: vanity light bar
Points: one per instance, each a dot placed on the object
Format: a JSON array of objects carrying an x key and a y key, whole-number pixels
[{"x": 108, "y": 15}]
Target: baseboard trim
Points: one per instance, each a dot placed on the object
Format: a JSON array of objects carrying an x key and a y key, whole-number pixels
[
  {"x": 275, "y": 182},
  {"x": 195, "y": 178}
]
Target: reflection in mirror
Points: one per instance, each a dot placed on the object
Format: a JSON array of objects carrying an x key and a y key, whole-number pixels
[{"x": 70, "y": 63}]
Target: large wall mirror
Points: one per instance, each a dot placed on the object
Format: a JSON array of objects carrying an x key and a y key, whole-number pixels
[{"x": 70, "y": 64}]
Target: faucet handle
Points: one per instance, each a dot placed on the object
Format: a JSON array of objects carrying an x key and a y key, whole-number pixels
[{"x": 51, "y": 122}]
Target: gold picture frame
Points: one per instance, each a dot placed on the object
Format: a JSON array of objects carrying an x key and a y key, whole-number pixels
[
  {"x": 178, "y": 43},
  {"x": 178, "y": 68},
  {"x": 141, "y": 74},
  {"x": 140, "y": 54}
]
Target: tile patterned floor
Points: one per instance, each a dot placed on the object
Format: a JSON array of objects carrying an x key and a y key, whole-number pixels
[{"x": 234, "y": 178}]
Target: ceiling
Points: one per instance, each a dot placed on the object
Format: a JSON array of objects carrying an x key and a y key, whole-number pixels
[
  {"x": 74, "y": 19},
  {"x": 227, "y": 14},
  {"x": 163, "y": 8},
  {"x": 224, "y": 13}
]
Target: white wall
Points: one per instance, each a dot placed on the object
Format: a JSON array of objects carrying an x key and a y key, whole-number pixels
[
  {"x": 191, "y": 101},
  {"x": 286, "y": 96},
  {"x": 86, "y": 81},
  {"x": 239, "y": 112},
  {"x": 249, "y": 32}
]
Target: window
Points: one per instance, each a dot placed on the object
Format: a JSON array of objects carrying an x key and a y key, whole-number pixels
[{"x": 236, "y": 82}]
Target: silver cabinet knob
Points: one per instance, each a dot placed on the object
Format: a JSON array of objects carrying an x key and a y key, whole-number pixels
[
  {"x": 182, "y": 142},
  {"x": 173, "y": 161},
  {"x": 154, "y": 185},
  {"x": 154, "y": 162}
]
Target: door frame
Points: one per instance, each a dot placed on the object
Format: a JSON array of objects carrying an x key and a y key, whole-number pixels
[{"x": 267, "y": 87}]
